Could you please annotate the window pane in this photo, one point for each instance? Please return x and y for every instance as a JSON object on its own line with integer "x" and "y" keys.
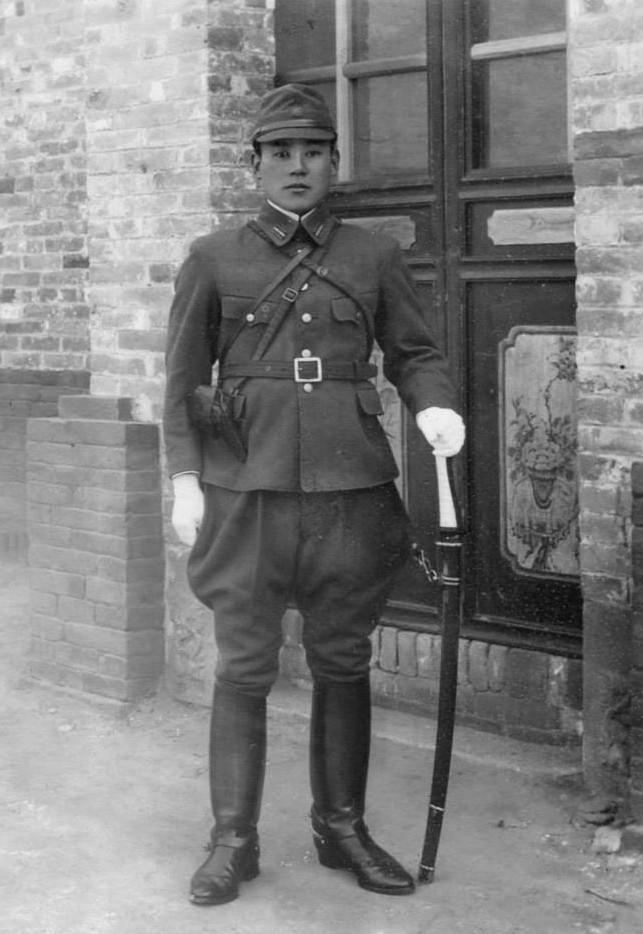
{"x": 391, "y": 125}
{"x": 510, "y": 19}
{"x": 382, "y": 29}
{"x": 305, "y": 34}
{"x": 522, "y": 115}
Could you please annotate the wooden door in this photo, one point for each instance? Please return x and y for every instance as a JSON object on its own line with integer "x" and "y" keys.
{"x": 453, "y": 132}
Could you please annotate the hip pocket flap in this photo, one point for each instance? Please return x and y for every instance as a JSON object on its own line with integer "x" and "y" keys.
{"x": 369, "y": 401}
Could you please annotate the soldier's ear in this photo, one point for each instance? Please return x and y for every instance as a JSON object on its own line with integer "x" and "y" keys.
{"x": 255, "y": 162}
{"x": 334, "y": 160}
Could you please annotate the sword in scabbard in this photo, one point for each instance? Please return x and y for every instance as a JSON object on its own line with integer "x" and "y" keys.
{"x": 449, "y": 562}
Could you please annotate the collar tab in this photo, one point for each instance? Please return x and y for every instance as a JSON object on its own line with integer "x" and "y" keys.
{"x": 281, "y": 227}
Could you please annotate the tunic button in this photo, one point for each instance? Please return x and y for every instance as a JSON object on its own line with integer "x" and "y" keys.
{"x": 250, "y": 318}
{"x": 305, "y": 353}
{"x": 308, "y": 387}
{"x": 306, "y": 318}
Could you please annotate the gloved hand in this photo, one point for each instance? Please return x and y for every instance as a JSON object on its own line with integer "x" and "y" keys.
{"x": 188, "y": 508}
{"x": 443, "y": 429}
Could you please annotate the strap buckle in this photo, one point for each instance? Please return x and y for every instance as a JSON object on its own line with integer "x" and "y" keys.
{"x": 290, "y": 295}
{"x": 308, "y": 369}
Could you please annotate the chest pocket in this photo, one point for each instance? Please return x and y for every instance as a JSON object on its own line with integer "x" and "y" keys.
{"x": 235, "y": 307}
{"x": 345, "y": 310}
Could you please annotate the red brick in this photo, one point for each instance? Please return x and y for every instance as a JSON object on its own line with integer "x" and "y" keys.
{"x": 135, "y": 666}
{"x": 43, "y": 650}
{"x": 57, "y": 582}
{"x": 388, "y": 660}
{"x": 43, "y": 603}
{"x": 62, "y": 559}
{"x": 407, "y": 655}
{"x": 526, "y": 674}
{"x": 107, "y": 501}
{"x": 102, "y": 640}
{"x": 47, "y": 627}
{"x": 130, "y": 618}
{"x": 49, "y": 494}
{"x": 75, "y": 610}
{"x": 99, "y": 590}
{"x": 478, "y": 666}
{"x": 428, "y": 656}
{"x": 74, "y": 656}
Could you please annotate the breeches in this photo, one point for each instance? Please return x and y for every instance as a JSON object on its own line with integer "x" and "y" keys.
{"x": 334, "y": 555}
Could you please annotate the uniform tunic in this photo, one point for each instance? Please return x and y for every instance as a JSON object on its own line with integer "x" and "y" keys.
{"x": 312, "y": 515}
{"x": 300, "y": 436}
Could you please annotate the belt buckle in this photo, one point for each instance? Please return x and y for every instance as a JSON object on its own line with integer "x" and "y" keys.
{"x": 290, "y": 295}
{"x": 302, "y": 362}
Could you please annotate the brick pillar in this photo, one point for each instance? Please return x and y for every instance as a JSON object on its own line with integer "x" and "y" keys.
{"x": 607, "y": 133}
{"x": 96, "y": 549}
{"x": 637, "y": 627}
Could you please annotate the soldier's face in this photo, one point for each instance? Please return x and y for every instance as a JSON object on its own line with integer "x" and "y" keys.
{"x": 296, "y": 173}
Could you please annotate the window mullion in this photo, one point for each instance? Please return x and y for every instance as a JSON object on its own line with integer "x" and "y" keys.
{"x": 385, "y": 66}
{"x": 520, "y": 45}
{"x": 344, "y": 88}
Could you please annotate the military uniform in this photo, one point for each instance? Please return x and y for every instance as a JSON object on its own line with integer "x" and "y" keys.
{"x": 304, "y": 434}
{"x": 312, "y": 514}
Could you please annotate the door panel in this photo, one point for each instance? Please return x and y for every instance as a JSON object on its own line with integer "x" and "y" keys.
{"x": 524, "y": 560}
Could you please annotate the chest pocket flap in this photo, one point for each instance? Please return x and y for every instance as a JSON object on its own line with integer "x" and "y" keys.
{"x": 345, "y": 309}
{"x": 233, "y": 307}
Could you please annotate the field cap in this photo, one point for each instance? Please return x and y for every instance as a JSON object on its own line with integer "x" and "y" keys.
{"x": 294, "y": 111}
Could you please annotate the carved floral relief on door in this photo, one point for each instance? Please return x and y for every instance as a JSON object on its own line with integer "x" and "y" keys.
{"x": 538, "y": 451}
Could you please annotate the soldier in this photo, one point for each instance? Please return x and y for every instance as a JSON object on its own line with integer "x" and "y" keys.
{"x": 285, "y": 488}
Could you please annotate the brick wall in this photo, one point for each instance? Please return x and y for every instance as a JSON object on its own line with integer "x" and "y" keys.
{"x": 24, "y": 394}
{"x": 96, "y": 549}
{"x": 517, "y": 692}
{"x": 44, "y": 309}
{"x": 606, "y": 69}
{"x": 147, "y": 180}
{"x": 607, "y": 75}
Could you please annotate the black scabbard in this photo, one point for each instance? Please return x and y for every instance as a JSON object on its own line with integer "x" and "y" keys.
{"x": 449, "y": 557}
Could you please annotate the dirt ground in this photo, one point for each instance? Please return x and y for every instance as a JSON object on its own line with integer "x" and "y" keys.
{"x": 103, "y": 820}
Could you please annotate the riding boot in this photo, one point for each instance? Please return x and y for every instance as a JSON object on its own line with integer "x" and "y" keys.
{"x": 237, "y": 768}
{"x": 339, "y": 754}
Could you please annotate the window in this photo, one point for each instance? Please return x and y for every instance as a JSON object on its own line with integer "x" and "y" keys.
{"x": 369, "y": 61}
{"x": 519, "y": 80}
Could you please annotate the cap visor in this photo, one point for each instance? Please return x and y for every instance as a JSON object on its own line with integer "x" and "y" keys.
{"x": 294, "y": 132}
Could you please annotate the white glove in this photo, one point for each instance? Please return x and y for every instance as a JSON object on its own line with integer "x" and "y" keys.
{"x": 188, "y": 508}
{"x": 443, "y": 429}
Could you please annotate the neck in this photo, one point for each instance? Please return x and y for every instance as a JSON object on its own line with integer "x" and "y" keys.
{"x": 291, "y": 214}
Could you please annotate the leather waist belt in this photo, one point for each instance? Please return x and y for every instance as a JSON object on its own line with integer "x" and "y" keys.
{"x": 301, "y": 370}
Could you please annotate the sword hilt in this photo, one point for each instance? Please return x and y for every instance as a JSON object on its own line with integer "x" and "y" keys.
{"x": 446, "y": 496}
